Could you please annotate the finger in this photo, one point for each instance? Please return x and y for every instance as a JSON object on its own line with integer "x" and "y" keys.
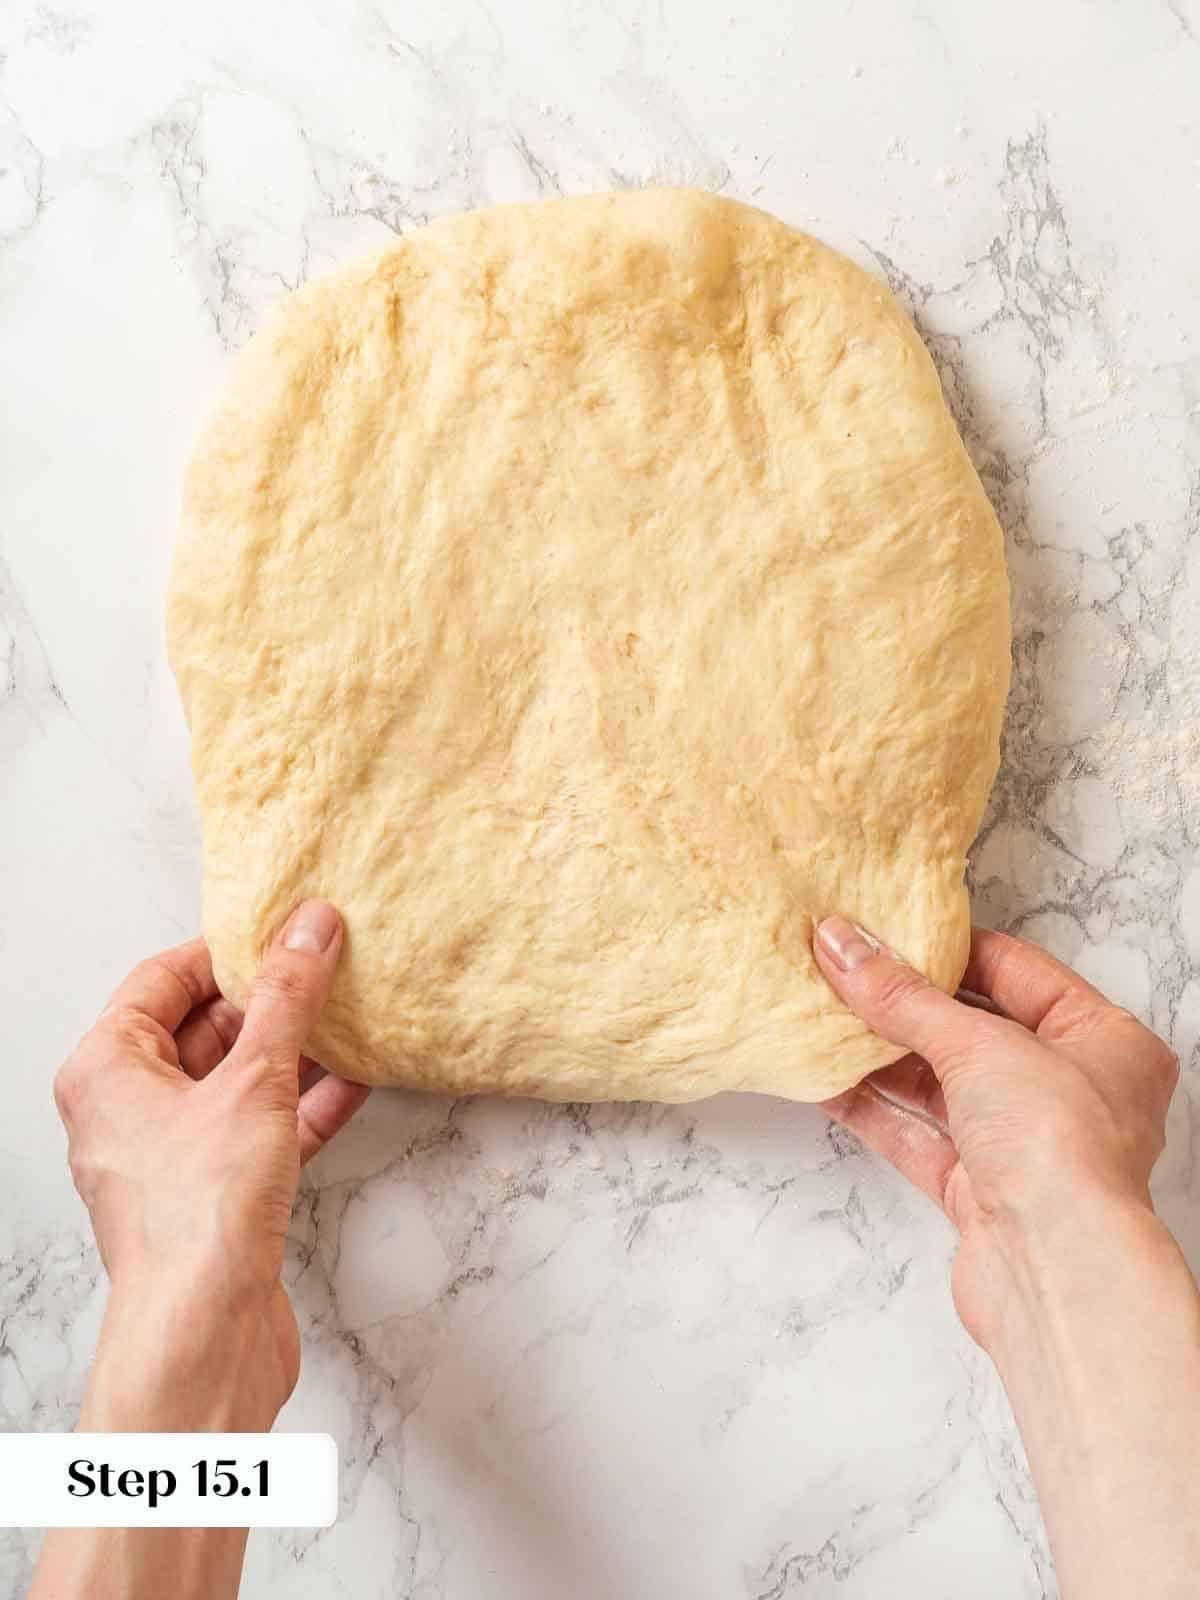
{"x": 1029, "y": 985}
{"x": 291, "y": 987}
{"x": 877, "y": 1111}
{"x": 325, "y": 1109}
{"x": 207, "y": 1036}
{"x": 912, "y": 1085}
{"x": 166, "y": 987}
{"x": 891, "y": 998}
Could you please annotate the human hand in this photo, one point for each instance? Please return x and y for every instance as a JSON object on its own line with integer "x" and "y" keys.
{"x": 1027, "y": 1127}
{"x": 187, "y": 1131}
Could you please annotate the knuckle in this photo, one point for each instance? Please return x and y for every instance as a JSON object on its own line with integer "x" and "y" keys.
{"x": 279, "y": 981}
{"x": 188, "y": 980}
{"x": 1168, "y": 1066}
{"x": 1156, "y": 1061}
{"x": 68, "y": 1089}
{"x": 897, "y": 987}
{"x": 159, "y": 968}
{"x": 130, "y": 1026}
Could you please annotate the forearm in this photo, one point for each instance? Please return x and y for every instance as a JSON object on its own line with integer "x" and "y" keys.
{"x": 1098, "y": 1346}
{"x": 159, "y": 1368}
{"x": 140, "y": 1564}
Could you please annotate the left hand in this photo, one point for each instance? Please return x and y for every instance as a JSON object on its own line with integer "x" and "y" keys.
{"x": 187, "y": 1131}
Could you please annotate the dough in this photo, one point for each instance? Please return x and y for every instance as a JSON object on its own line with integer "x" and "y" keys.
{"x": 585, "y": 596}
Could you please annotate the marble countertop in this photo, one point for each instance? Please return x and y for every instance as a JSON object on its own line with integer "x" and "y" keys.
{"x": 694, "y": 1353}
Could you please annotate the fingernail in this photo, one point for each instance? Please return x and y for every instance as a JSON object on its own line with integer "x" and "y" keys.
{"x": 311, "y": 927}
{"x": 845, "y": 943}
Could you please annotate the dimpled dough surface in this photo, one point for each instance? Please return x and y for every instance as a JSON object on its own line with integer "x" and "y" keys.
{"x": 585, "y": 596}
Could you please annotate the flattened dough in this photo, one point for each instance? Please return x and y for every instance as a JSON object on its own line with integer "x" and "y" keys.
{"x": 585, "y": 596}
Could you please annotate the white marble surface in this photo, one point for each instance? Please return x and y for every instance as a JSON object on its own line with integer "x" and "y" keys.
{"x": 693, "y": 1353}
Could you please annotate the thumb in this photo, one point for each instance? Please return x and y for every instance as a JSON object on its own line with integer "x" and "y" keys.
{"x": 894, "y": 1001}
{"x": 290, "y": 988}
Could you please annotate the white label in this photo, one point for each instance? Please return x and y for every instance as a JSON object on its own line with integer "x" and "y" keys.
{"x": 168, "y": 1480}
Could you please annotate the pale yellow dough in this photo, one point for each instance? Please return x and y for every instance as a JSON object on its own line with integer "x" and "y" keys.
{"x": 585, "y": 596}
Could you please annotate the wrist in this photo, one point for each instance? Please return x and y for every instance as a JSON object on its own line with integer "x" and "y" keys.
{"x": 1097, "y": 1343}
{"x": 176, "y": 1360}
{"x": 1053, "y": 1277}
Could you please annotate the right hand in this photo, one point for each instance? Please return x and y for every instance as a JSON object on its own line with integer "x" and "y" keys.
{"x": 1024, "y": 1127}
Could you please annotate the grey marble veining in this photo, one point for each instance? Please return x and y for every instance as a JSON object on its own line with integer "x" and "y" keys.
{"x": 613, "y": 1351}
